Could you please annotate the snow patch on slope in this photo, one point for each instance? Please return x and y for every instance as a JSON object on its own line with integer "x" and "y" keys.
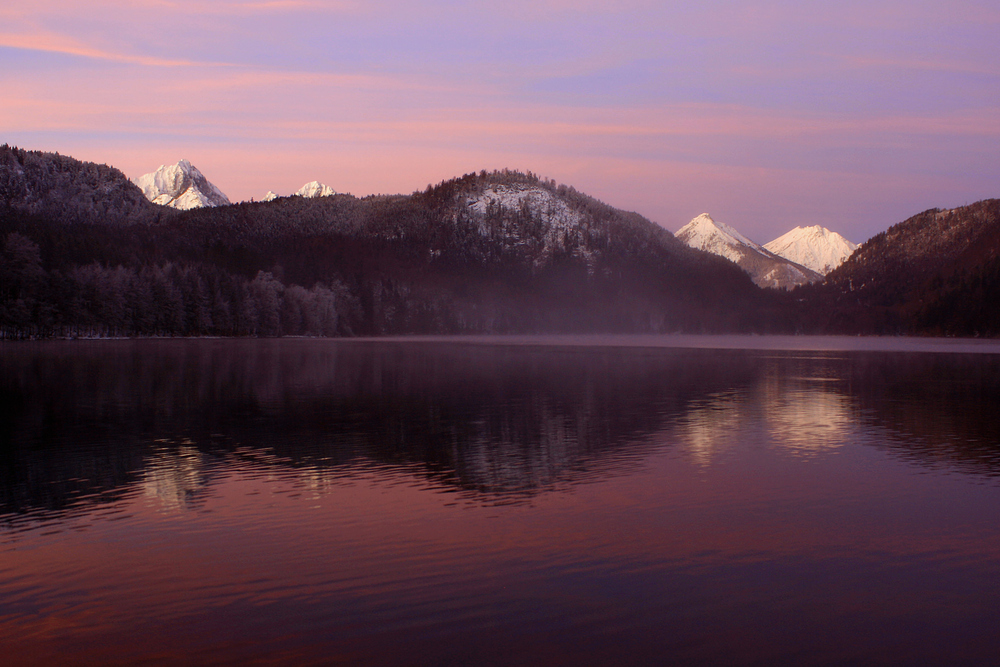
{"x": 180, "y": 186}
{"x": 814, "y": 247}
{"x": 563, "y": 227}
{"x": 537, "y": 200}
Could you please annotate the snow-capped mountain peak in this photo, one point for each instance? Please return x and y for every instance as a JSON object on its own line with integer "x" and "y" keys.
{"x": 180, "y": 186}
{"x": 315, "y": 189}
{"x": 718, "y": 238}
{"x": 270, "y": 196}
{"x": 765, "y": 267}
{"x": 814, "y": 247}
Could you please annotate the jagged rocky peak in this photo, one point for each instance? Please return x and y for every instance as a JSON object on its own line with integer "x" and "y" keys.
{"x": 315, "y": 189}
{"x": 814, "y": 247}
{"x": 765, "y": 267}
{"x": 180, "y": 186}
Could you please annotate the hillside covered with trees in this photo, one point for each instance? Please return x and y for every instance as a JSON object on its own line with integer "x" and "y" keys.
{"x": 937, "y": 273}
{"x": 84, "y": 254}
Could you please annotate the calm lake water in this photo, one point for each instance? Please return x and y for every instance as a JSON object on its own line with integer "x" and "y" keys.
{"x": 500, "y": 501}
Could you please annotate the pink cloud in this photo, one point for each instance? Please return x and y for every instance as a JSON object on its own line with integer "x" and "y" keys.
{"x": 54, "y": 43}
{"x": 182, "y": 7}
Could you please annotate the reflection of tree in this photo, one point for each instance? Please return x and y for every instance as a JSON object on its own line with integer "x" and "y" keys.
{"x": 80, "y": 421}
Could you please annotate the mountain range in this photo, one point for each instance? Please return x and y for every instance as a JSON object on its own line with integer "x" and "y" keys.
{"x": 86, "y": 253}
{"x": 310, "y": 190}
{"x": 183, "y": 186}
{"x": 801, "y": 256}
{"x": 765, "y": 267}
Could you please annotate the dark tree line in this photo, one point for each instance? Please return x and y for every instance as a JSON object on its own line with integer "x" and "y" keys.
{"x": 154, "y": 300}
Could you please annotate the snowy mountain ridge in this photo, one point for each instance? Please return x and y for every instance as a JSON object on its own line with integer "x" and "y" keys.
{"x": 180, "y": 186}
{"x": 315, "y": 189}
{"x": 310, "y": 190}
{"x": 814, "y": 247}
{"x": 765, "y": 267}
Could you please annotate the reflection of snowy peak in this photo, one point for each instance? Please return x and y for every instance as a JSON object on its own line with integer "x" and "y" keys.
{"x": 766, "y": 268}
{"x": 180, "y": 186}
{"x": 315, "y": 189}
{"x": 814, "y": 247}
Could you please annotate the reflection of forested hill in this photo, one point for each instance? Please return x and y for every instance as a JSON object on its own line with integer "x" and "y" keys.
{"x": 495, "y": 420}
{"x": 83, "y": 421}
{"x": 940, "y": 409}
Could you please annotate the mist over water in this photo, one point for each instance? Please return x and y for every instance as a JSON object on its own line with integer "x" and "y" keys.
{"x": 507, "y": 501}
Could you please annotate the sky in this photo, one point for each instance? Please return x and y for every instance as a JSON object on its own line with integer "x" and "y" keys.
{"x": 766, "y": 115}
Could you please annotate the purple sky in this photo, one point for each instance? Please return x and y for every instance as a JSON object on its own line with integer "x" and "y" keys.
{"x": 767, "y": 115}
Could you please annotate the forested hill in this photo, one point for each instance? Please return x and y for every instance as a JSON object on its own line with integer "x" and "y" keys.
{"x": 937, "y": 273}
{"x": 85, "y": 254}
{"x": 56, "y": 187}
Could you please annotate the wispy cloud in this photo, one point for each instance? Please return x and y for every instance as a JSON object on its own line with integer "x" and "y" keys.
{"x": 55, "y": 43}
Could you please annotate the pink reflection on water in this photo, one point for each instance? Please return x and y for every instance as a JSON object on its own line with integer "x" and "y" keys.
{"x": 372, "y": 562}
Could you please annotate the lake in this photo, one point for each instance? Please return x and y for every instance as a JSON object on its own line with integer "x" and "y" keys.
{"x": 500, "y": 501}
